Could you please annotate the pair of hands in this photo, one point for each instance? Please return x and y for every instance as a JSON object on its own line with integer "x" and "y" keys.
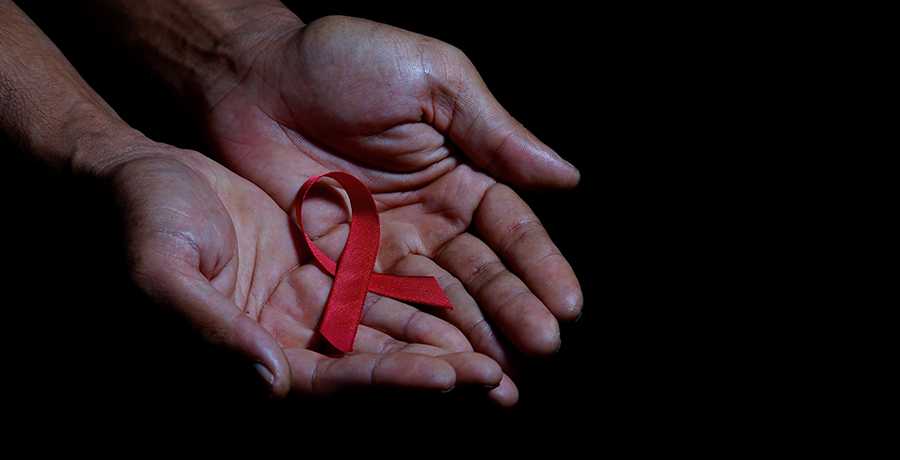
{"x": 411, "y": 118}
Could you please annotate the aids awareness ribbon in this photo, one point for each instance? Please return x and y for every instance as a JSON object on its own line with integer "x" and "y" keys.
{"x": 353, "y": 275}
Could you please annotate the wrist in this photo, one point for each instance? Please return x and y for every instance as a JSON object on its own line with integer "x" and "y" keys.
{"x": 201, "y": 48}
{"x": 99, "y": 144}
{"x": 46, "y": 108}
{"x": 55, "y": 119}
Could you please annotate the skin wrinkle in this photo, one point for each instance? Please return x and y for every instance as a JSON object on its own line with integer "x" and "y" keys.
{"x": 146, "y": 272}
{"x": 369, "y": 173}
{"x": 509, "y": 300}
{"x": 440, "y": 250}
{"x": 225, "y": 43}
{"x": 539, "y": 260}
{"x": 443, "y": 84}
{"x": 486, "y": 331}
{"x": 488, "y": 271}
{"x": 313, "y": 377}
{"x": 370, "y": 372}
{"x": 295, "y": 142}
{"x": 108, "y": 165}
{"x": 391, "y": 345}
{"x": 392, "y": 251}
{"x": 500, "y": 276}
{"x": 238, "y": 161}
{"x": 275, "y": 289}
{"x": 413, "y": 321}
{"x": 369, "y": 305}
{"x": 453, "y": 213}
{"x": 517, "y": 232}
{"x": 254, "y": 280}
{"x": 508, "y": 138}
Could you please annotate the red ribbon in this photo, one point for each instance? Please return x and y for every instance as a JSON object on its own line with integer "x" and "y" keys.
{"x": 353, "y": 275}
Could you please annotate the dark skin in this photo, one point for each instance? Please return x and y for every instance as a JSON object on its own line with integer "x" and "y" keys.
{"x": 282, "y": 101}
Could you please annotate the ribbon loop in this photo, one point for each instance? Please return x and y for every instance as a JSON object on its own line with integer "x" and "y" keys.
{"x": 353, "y": 275}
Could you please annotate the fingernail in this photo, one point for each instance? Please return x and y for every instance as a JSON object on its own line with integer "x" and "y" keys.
{"x": 557, "y": 348}
{"x": 579, "y": 317}
{"x": 491, "y": 387}
{"x": 448, "y": 390}
{"x": 265, "y": 374}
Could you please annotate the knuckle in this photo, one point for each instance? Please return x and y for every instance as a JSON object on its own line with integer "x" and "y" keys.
{"x": 518, "y": 231}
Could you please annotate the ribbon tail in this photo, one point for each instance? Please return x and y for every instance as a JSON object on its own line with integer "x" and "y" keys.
{"x": 416, "y": 289}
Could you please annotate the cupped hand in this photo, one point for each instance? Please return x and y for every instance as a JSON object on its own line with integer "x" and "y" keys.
{"x": 412, "y": 119}
{"x": 220, "y": 251}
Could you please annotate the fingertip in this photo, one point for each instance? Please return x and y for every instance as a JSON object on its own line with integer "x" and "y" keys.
{"x": 549, "y": 172}
{"x": 530, "y": 326}
{"x": 533, "y": 166}
{"x": 574, "y": 177}
{"x": 530, "y": 165}
{"x": 543, "y": 341}
{"x": 555, "y": 284}
{"x": 474, "y": 368}
{"x": 275, "y": 387}
{"x": 571, "y": 307}
{"x": 505, "y": 395}
{"x": 280, "y": 384}
{"x": 269, "y": 360}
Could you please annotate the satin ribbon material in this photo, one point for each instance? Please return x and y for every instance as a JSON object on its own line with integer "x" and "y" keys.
{"x": 353, "y": 275}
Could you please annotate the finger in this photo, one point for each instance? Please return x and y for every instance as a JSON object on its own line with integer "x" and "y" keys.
{"x": 505, "y": 394}
{"x": 474, "y": 369}
{"x": 509, "y": 226}
{"x": 470, "y": 368}
{"x": 475, "y": 121}
{"x": 409, "y": 324}
{"x": 318, "y": 374}
{"x": 221, "y": 323}
{"x": 521, "y": 317}
{"x": 466, "y": 316}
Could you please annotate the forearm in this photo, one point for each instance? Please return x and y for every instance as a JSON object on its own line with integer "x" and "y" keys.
{"x": 45, "y": 106}
{"x": 199, "y": 47}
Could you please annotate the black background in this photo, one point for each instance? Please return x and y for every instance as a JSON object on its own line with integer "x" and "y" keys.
{"x": 87, "y": 353}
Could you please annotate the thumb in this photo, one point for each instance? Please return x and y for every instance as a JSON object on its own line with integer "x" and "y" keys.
{"x": 220, "y": 322}
{"x": 492, "y": 138}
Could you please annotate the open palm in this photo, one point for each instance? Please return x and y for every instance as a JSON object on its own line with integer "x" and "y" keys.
{"x": 410, "y": 117}
{"x": 217, "y": 249}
